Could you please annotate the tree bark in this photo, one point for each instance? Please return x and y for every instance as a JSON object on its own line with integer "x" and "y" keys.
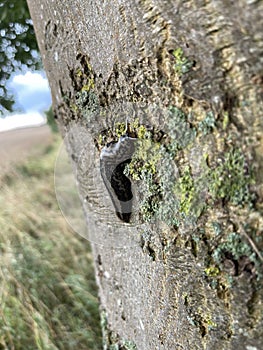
{"x": 186, "y": 271}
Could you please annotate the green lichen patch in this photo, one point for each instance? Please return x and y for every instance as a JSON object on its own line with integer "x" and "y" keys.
{"x": 181, "y": 133}
{"x": 233, "y": 246}
{"x": 87, "y": 105}
{"x": 216, "y": 228}
{"x": 231, "y": 179}
{"x": 169, "y": 208}
{"x": 207, "y": 124}
{"x": 234, "y": 249}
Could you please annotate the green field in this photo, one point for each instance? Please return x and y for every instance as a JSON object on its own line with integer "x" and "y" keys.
{"x": 48, "y": 293}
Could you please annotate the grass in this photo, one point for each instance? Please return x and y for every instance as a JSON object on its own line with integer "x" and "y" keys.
{"x": 48, "y": 293}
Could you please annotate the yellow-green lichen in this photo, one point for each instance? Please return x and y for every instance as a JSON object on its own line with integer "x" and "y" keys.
{"x": 141, "y": 132}
{"x": 225, "y": 121}
{"x": 89, "y": 86}
{"x": 212, "y": 271}
{"x": 209, "y": 323}
{"x": 145, "y": 159}
{"x": 73, "y": 107}
{"x": 100, "y": 140}
{"x": 120, "y": 129}
{"x": 182, "y": 63}
{"x": 186, "y": 190}
{"x": 79, "y": 72}
{"x": 135, "y": 124}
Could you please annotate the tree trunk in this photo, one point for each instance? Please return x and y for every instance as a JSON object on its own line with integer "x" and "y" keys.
{"x": 179, "y": 265}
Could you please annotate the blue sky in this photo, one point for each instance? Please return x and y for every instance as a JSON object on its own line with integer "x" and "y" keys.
{"x": 32, "y": 96}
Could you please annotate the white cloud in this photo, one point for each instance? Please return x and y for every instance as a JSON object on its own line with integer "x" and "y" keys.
{"x": 30, "y": 80}
{"x": 31, "y": 91}
{"x": 21, "y": 120}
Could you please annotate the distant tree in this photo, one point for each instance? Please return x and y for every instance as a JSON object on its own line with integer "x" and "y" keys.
{"x": 18, "y": 46}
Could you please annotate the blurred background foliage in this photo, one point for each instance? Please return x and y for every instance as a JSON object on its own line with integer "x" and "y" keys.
{"x": 48, "y": 294}
{"x": 18, "y": 46}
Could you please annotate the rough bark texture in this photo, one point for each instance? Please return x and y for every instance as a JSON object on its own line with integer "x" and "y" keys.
{"x": 191, "y": 278}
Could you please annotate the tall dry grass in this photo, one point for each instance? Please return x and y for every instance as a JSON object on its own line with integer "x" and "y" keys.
{"x": 48, "y": 295}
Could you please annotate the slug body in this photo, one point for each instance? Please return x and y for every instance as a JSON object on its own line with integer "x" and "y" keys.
{"x": 113, "y": 159}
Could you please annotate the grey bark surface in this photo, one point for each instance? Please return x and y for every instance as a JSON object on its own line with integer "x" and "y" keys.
{"x": 158, "y": 287}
